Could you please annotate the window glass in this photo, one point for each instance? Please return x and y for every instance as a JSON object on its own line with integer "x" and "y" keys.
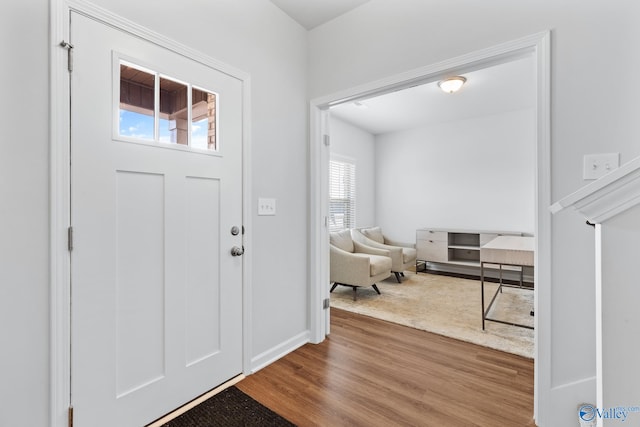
{"x": 342, "y": 195}
{"x": 136, "y": 113}
{"x": 203, "y": 127}
{"x": 173, "y": 117}
{"x": 158, "y": 108}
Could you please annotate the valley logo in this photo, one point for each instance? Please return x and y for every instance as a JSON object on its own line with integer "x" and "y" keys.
{"x": 589, "y": 413}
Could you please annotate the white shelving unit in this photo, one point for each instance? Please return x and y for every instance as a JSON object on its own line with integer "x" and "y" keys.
{"x": 453, "y": 247}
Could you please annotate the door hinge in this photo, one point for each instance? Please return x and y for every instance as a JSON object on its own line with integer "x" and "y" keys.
{"x": 70, "y": 238}
{"x": 70, "y": 416}
{"x": 69, "y": 48}
{"x": 326, "y": 303}
{"x": 326, "y": 140}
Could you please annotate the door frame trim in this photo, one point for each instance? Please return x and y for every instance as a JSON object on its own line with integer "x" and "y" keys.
{"x": 538, "y": 45}
{"x": 60, "y": 181}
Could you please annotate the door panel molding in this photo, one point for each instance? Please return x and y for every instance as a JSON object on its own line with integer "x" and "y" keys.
{"x": 60, "y": 179}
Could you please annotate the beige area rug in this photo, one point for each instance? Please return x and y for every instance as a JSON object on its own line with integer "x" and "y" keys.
{"x": 447, "y": 306}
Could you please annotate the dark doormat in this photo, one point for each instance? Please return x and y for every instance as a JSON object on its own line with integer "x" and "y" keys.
{"x": 229, "y": 408}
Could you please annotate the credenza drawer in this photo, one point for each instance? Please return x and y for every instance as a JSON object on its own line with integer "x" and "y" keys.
{"x": 425, "y": 234}
{"x": 432, "y": 250}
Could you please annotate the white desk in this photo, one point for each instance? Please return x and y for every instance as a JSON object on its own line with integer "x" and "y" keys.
{"x": 517, "y": 251}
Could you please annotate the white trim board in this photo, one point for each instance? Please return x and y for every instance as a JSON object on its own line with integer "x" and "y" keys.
{"x": 59, "y": 122}
{"x": 537, "y": 45}
{"x": 607, "y": 196}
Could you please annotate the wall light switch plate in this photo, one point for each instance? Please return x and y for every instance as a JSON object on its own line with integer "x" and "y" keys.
{"x": 596, "y": 165}
{"x": 266, "y": 206}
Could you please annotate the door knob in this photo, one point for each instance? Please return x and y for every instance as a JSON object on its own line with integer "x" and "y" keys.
{"x": 236, "y": 251}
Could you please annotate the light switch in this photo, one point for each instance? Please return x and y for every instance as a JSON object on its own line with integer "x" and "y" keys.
{"x": 266, "y": 206}
{"x": 596, "y": 165}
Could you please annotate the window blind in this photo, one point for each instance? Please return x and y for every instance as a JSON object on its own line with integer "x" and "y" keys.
{"x": 342, "y": 195}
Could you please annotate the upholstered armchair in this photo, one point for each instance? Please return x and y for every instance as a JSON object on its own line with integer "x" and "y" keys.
{"x": 403, "y": 255}
{"x": 354, "y": 264}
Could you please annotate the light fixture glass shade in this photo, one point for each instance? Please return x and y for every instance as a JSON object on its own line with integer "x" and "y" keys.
{"x": 452, "y": 84}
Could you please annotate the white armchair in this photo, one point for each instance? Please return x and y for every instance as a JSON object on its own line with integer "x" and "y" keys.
{"x": 354, "y": 264}
{"x": 403, "y": 255}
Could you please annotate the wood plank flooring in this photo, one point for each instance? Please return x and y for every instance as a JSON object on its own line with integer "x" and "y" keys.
{"x": 369, "y": 372}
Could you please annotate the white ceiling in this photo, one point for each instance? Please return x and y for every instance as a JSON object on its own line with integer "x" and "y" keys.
{"x": 497, "y": 89}
{"x": 493, "y": 90}
{"x": 311, "y": 13}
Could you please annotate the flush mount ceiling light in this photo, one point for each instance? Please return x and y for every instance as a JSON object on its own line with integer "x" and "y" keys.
{"x": 452, "y": 84}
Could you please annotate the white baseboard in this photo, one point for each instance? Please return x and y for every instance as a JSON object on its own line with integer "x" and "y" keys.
{"x": 267, "y": 357}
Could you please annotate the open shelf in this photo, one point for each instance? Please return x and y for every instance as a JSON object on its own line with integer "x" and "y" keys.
{"x": 465, "y": 263}
{"x": 464, "y": 239}
{"x": 459, "y": 248}
{"x": 465, "y": 247}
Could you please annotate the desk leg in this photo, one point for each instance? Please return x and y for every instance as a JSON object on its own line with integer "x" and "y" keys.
{"x": 521, "y": 276}
{"x": 482, "y": 290}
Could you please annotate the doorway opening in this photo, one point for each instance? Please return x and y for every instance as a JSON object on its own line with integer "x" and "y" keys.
{"x": 535, "y": 46}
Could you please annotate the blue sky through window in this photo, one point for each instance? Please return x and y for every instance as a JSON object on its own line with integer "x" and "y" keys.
{"x": 136, "y": 125}
{"x": 199, "y": 134}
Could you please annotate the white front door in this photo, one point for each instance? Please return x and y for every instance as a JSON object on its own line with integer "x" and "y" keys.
{"x": 156, "y": 294}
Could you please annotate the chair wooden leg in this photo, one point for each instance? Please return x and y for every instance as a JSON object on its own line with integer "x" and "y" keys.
{"x": 397, "y": 276}
{"x": 333, "y": 287}
{"x": 376, "y": 288}
{"x": 402, "y": 273}
{"x": 355, "y": 289}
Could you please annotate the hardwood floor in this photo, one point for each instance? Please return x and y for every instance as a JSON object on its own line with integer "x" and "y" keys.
{"x": 369, "y": 372}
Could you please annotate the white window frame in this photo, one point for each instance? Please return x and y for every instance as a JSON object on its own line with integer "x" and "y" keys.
{"x": 118, "y": 59}
{"x": 347, "y": 189}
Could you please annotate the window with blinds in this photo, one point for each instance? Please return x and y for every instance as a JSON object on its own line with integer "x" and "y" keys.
{"x": 342, "y": 195}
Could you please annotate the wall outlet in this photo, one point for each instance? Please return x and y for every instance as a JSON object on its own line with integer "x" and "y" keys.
{"x": 596, "y": 165}
{"x": 266, "y": 206}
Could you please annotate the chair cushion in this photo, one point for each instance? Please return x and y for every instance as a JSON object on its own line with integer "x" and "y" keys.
{"x": 409, "y": 255}
{"x": 378, "y": 264}
{"x": 342, "y": 240}
{"x": 374, "y": 233}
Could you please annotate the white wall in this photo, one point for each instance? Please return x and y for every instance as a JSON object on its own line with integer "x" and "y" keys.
{"x": 252, "y": 35}
{"x": 475, "y": 174}
{"x": 591, "y": 39}
{"x": 352, "y": 142}
{"x": 24, "y": 216}
{"x": 620, "y": 296}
